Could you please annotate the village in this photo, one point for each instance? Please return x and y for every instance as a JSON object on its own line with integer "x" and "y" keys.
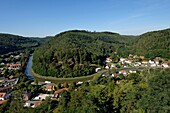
{"x": 132, "y": 63}
{"x": 10, "y": 66}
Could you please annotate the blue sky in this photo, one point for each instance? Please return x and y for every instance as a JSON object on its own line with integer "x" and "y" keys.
{"x": 49, "y": 17}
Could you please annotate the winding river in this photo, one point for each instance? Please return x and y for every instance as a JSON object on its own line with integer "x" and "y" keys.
{"x": 28, "y": 69}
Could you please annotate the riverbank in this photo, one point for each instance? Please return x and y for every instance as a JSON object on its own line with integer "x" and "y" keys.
{"x": 63, "y": 80}
{"x": 32, "y": 75}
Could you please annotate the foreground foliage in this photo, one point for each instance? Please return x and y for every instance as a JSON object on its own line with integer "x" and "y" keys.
{"x": 141, "y": 93}
{"x": 144, "y": 92}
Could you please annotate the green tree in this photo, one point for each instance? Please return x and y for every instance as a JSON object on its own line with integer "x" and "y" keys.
{"x": 156, "y": 97}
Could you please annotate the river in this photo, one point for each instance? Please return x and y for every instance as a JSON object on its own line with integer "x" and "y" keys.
{"x": 30, "y": 76}
{"x": 28, "y": 69}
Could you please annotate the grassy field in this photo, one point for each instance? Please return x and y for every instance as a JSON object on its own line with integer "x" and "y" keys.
{"x": 62, "y": 80}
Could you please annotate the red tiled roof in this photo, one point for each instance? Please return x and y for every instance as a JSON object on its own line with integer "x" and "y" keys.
{"x": 60, "y": 90}
{"x": 11, "y": 77}
{"x": 3, "y": 101}
{"x": 144, "y": 61}
{"x": 122, "y": 71}
{"x": 49, "y": 87}
{"x": 37, "y": 103}
{"x": 12, "y": 65}
{"x": 7, "y": 87}
{"x": 142, "y": 57}
{"x": 2, "y": 95}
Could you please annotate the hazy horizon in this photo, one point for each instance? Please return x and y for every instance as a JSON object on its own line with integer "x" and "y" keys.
{"x": 79, "y": 29}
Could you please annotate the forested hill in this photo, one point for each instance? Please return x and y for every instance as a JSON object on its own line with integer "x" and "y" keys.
{"x": 42, "y": 40}
{"x": 71, "y": 53}
{"x": 12, "y": 43}
{"x": 151, "y": 44}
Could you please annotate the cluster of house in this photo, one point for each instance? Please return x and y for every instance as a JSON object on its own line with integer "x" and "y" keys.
{"x": 14, "y": 66}
{"x": 6, "y": 85}
{"x": 131, "y": 62}
{"x": 125, "y": 72}
{"x": 38, "y": 99}
{"x": 11, "y": 66}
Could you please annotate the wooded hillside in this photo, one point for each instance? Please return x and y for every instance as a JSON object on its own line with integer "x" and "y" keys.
{"x": 151, "y": 44}
{"x": 13, "y": 43}
{"x": 70, "y": 54}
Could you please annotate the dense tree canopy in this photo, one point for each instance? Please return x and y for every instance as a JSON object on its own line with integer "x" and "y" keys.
{"x": 141, "y": 93}
{"x": 153, "y": 44}
{"x": 71, "y": 53}
{"x": 156, "y": 97}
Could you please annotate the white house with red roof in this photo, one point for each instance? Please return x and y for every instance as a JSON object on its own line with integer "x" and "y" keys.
{"x": 165, "y": 65}
{"x": 124, "y": 72}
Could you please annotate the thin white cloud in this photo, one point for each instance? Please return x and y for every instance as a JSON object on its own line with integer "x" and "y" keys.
{"x": 125, "y": 19}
